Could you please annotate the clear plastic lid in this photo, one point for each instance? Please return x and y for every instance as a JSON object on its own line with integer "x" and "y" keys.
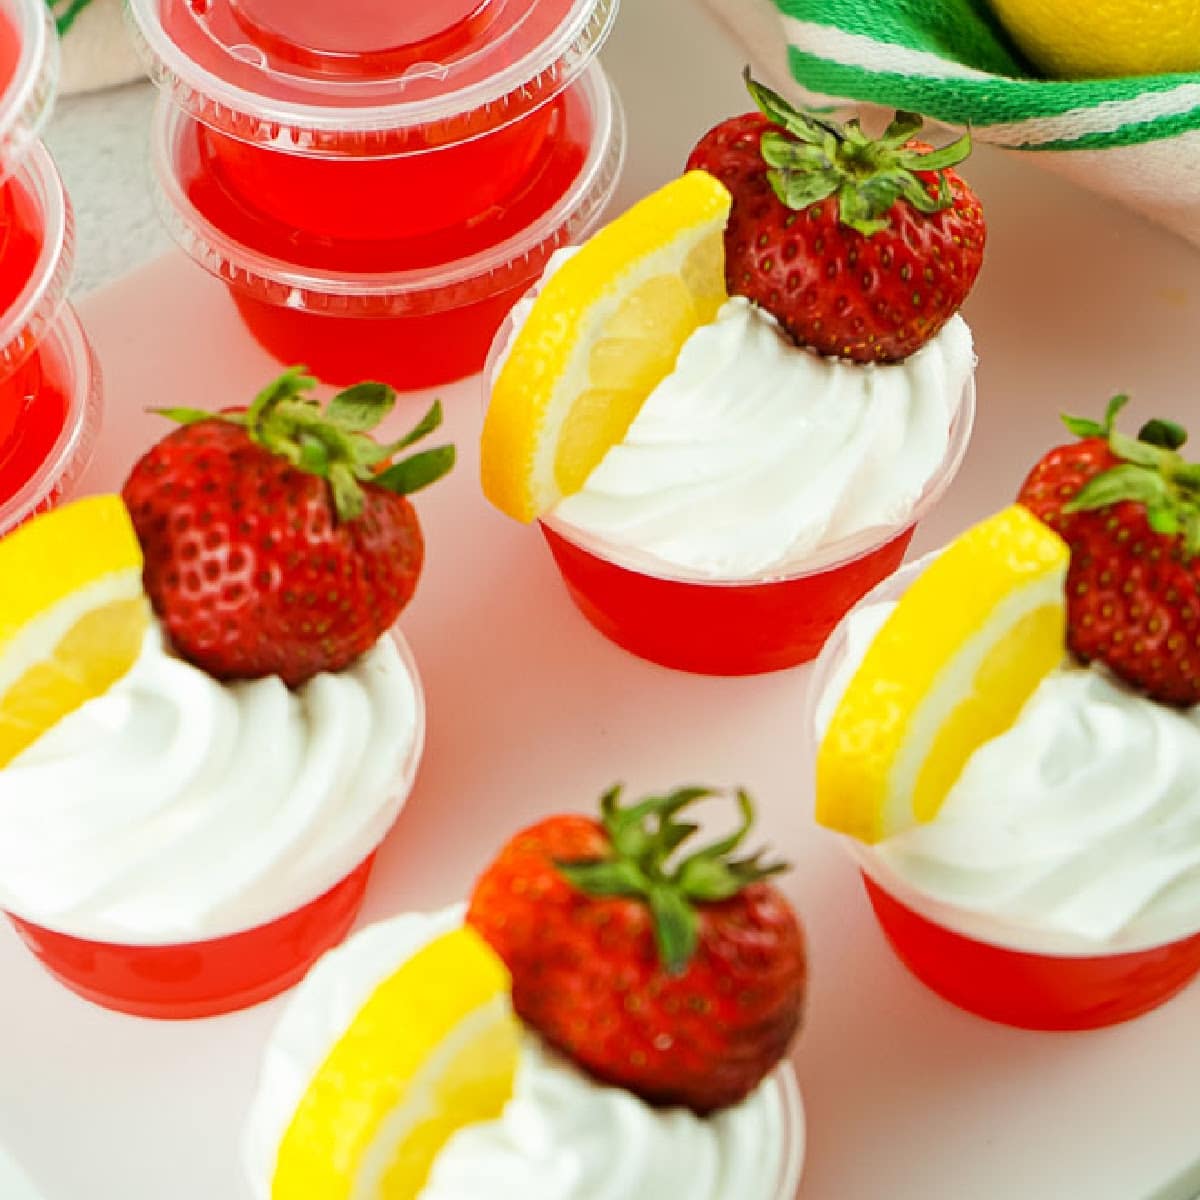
{"x": 29, "y": 66}
{"x": 60, "y": 473}
{"x": 39, "y": 300}
{"x": 513, "y": 262}
{"x": 366, "y": 77}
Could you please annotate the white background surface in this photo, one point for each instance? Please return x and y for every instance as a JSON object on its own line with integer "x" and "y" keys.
{"x": 908, "y": 1099}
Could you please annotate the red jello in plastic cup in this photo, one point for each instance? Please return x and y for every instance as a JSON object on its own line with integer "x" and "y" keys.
{"x": 414, "y": 311}
{"x": 50, "y": 393}
{"x": 28, "y": 76}
{"x": 1000, "y": 969}
{"x": 371, "y": 119}
{"x": 692, "y": 622}
{"x": 187, "y": 980}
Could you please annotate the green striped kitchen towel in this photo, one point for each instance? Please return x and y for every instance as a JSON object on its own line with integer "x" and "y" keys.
{"x": 1135, "y": 139}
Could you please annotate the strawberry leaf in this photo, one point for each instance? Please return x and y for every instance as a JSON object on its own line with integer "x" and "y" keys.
{"x": 676, "y": 928}
{"x": 1144, "y": 454}
{"x": 1083, "y": 427}
{"x": 1167, "y": 434}
{"x": 1126, "y": 482}
{"x": 904, "y": 126}
{"x": 417, "y": 472}
{"x": 193, "y": 416}
{"x": 360, "y": 408}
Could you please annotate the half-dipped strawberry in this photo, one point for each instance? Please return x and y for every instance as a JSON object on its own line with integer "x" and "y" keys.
{"x": 679, "y": 978}
{"x": 279, "y": 540}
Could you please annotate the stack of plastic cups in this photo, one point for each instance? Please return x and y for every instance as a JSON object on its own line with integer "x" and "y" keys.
{"x": 378, "y": 183}
{"x": 49, "y": 380}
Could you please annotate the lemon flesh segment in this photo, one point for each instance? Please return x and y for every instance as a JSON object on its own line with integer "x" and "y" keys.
{"x": 950, "y": 669}
{"x": 1104, "y": 38}
{"x": 72, "y": 615}
{"x": 604, "y": 331}
{"x": 433, "y": 1049}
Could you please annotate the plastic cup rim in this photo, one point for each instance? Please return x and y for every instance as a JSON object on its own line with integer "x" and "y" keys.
{"x": 84, "y": 398}
{"x": 995, "y": 932}
{"x": 176, "y": 72}
{"x": 834, "y": 557}
{"x": 26, "y": 103}
{"x": 795, "y": 1129}
{"x": 242, "y": 264}
{"x": 334, "y": 873}
{"x": 39, "y": 301}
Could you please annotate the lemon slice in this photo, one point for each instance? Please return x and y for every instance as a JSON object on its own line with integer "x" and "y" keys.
{"x": 432, "y": 1050}
{"x": 72, "y": 615}
{"x": 950, "y": 669}
{"x": 604, "y": 331}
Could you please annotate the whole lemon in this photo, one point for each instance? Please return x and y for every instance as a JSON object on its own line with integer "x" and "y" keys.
{"x": 1094, "y": 39}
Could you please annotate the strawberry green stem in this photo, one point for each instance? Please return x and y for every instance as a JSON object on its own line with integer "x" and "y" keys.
{"x": 812, "y": 158}
{"x": 1151, "y": 472}
{"x": 335, "y": 442}
{"x": 644, "y": 838}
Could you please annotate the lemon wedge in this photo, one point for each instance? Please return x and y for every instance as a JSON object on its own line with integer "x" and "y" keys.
{"x": 603, "y": 332}
{"x": 72, "y": 615}
{"x": 950, "y": 669}
{"x": 434, "y": 1048}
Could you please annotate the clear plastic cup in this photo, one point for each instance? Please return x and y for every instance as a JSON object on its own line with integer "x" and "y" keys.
{"x": 374, "y": 120}
{"x": 50, "y": 387}
{"x": 29, "y": 65}
{"x": 1007, "y": 972}
{"x": 413, "y": 312}
{"x": 180, "y": 981}
{"x": 794, "y": 1131}
{"x": 691, "y": 622}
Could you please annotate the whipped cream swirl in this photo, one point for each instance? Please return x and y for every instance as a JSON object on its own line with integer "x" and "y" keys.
{"x": 175, "y": 808}
{"x": 754, "y": 455}
{"x": 561, "y": 1136}
{"x": 1083, "y": 819}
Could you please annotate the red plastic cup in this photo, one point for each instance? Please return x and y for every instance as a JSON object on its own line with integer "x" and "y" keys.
{"x": 414, "y": 311}
{"x": 240, "y": 968}
{"x": 691, "y": 622}
{"x": 29, "y": 64}
{"x": 1003, "y": 970}
{"x": 377, "y": 119}
{"x": 50, "y": 388}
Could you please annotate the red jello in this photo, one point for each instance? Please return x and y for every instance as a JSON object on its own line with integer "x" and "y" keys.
{"x": 737, "y": 627}
{"x": 49, "y": 381}
{"x": 28, "y": 76}
{"x": 173, "y": 980}
{"x": 1034, "y": 991}
{"x": 412, "y": 311}
{"x": 371, "y": 120}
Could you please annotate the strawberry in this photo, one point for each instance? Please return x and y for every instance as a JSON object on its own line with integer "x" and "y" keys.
{"x": 276, "y": 540}
{"x": 1130, "y": 511}
{"x": 861, "y": 249}
{"x": 683, "y": 984}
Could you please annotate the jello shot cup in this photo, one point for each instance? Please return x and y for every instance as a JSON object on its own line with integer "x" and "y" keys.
{"x": 714, "y": 626}
{"x": 377, "y": 121}
{"x": 793, "y": 1142}
{"x": 29, "y": 65}
{"x": 414, "y": 310}
{"x": 50, "y": 388}
{"x": 241, "y": 966}
{"x": 1007, "y": 971}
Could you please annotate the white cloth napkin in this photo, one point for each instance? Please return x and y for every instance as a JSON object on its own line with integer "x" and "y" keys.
{"x": 98, "y": 53}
